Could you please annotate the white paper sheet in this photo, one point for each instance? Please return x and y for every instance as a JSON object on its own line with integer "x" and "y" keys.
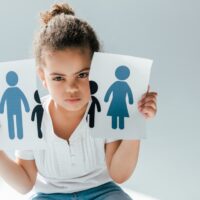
{"x": 20, "y": 111}
{"x": 121, "y": 81}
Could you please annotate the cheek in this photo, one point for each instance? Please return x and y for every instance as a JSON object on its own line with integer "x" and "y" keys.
{"x": 86, "y": 89}
{"x": 54, "y": 88}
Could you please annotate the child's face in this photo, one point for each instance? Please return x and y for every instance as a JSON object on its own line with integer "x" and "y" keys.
{"x": 65, "y": 75}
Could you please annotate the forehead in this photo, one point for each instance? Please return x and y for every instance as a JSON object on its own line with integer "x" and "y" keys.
{"x": 71, "y": 58}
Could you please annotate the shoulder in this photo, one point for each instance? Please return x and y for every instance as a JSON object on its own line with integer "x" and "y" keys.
{"x": 45, "y": 99}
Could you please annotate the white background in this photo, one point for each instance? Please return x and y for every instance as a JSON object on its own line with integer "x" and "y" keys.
{"x": 167, "y": 31}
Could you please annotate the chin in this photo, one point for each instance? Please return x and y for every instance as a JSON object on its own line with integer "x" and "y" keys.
{"x": 75, "y": 107}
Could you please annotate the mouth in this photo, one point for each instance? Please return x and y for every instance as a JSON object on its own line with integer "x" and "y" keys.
{"x": 72, "y": 100}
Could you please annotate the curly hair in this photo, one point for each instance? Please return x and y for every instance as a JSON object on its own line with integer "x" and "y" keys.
{"x": 61, "y": 29}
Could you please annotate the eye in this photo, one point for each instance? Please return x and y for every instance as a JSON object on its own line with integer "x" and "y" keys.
{"x": 83, "y": 75}
{"x": 58, "y": 78}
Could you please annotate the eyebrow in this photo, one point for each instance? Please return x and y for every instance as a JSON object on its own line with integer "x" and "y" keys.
{"x": 59, "y": 74}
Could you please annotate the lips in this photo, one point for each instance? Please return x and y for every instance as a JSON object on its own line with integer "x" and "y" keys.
{"x": 72, "y": 100}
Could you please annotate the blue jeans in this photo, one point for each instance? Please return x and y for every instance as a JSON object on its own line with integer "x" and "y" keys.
{"x": 107, "y": 191}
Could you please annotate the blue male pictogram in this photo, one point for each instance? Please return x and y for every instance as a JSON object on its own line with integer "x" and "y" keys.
{"x": 119, "y": 90}
{"x": 12, "y": 97}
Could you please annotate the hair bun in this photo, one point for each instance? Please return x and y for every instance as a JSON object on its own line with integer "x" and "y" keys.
{"x": 56, "y": 10}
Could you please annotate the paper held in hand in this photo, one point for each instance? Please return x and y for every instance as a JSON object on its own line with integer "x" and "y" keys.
{"x": 117, "y": 83}
{"x": 21, "y": 111}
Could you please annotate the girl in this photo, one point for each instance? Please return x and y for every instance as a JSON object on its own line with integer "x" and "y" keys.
{"x": 73, "y": 165}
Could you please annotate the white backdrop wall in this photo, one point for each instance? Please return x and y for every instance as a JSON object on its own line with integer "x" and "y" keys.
{"x": 166, "y": 31}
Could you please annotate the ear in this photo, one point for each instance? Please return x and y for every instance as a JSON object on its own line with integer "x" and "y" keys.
{"x": 40, "y": 72}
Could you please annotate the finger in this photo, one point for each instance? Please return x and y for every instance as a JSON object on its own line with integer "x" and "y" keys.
{"x": 149, "y": 94}
{"x": 152, "y": 93}
{"x": 149, "y": 111}
{"x": 143, "y": 101}
{"x": 148, "y": 89}
{"x": 149, "y": 104}
{"x": 146, "y": 116}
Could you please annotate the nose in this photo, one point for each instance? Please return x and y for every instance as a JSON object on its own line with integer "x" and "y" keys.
{"x": 71, "y": 85}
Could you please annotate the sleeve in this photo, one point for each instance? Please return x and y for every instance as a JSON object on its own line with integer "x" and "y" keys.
{"x": 25, "y": 154}
{"x": 109, "y": 140}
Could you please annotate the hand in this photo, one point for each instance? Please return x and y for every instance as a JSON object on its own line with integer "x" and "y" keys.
{"x": 147, "y": 106}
